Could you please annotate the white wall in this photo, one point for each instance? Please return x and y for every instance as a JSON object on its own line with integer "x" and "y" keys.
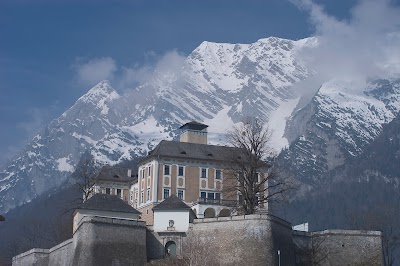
{"x": 161, "y": 220}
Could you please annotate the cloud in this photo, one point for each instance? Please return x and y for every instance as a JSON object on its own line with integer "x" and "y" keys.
{"x": 95, "y": 70}
{"x": 37, "y": 118}
{"x": 366, "y": 45}
{"x": 168, "y": 65}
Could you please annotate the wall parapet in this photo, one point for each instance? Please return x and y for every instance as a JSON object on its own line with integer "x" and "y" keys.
{"x": 347, "y": 232}
{"x": 108, "y": 220}
{"x": 61, "y": 245}
{"x": 32, "y": 251}
{"x": 269, "y": 217}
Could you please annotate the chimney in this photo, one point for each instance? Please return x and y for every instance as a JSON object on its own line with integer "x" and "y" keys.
{"x": 194, "y": 132}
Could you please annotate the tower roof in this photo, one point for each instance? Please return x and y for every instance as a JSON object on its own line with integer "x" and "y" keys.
{"x": 194, "y": 126}
{"x": 188, "y": 150}
{"x": 171, "y": 203}
{"x": 105, "y": 202}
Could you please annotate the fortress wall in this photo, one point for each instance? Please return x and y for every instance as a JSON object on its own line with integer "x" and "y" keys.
{"x": 109, "y": 241}
{"x": 338, "y": 247}
{"x": 60, "y": 255}
{"x": 34, "y": 257}
{"x": 245, "y": 240}
{"x": 350, "y": 247}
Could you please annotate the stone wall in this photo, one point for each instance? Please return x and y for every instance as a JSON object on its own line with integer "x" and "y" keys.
{"x": 61, "y": 254}
{"x": 34, "y": 257}
{"x": 339, "y": 247}
{"x": 106, "y": 241}
{"x": 244, "y": 240}
{"x": 97, "y": 241}
{"x": 156, "y": 242}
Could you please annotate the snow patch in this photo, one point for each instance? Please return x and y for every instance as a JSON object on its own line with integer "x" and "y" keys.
{"x": 277, "y": 123}
{"x": 64, "y": 166}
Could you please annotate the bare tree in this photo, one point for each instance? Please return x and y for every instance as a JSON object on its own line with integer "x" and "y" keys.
{"x": 85, "y": 174}
{"x": 312, "y": 253}
{"x": 252, "y": 174}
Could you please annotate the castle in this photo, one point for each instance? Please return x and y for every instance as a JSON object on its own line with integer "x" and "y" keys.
{"x": 176, "y": 207}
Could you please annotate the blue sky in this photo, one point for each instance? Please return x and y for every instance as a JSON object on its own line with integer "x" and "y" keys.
{"x": 44, "y": 43}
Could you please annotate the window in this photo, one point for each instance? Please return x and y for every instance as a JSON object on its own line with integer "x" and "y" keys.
{"x": 148, "y": 195}
{"x": 180, "y": 171}
{"x": 180, "y": 194}
{"x": 143, "y": 173}
{"x": 166, "y": 193}
{"x": 203, "y": 195}
{"x": 148, "y": 170}
{"x": 142, "y": 197}
{"x": 218, "y": 174}
{"x": 108, "y": 191}
{"x": 211, "y": 197}
{"x": 203, "y": 172}
{"x": 119, "y": 194}
{"x": 166, "y": 169}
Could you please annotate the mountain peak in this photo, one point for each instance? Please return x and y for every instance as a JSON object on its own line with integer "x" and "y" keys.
{"x": 101, "y": 92}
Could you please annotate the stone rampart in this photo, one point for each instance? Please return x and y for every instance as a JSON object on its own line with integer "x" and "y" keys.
{"x": 96, "y": 241}
{"x": 35, "y": 256}
{"x": 245, "y": 240}
{"x": 339, "y": 247}
{"x": 109, "y": 241}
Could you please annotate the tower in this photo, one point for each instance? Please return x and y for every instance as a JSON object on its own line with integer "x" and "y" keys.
{"x": 194, "y": 132}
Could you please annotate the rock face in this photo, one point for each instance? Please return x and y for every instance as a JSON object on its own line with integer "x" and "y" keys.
{"x": 338, "y": 123}
{"x": 218, "y": 84}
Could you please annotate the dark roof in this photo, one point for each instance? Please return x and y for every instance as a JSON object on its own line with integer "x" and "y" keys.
{"x": 105, "y": 202}
{"x": 194, "y": 125}
{"x": 189, "y": 150}
{"x": 115, "y": 174}
{"x": 172, "y": 203}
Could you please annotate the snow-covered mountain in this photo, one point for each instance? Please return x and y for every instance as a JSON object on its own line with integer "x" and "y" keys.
{"x": 340, "y": 120}
{"x": 218, "y": 84}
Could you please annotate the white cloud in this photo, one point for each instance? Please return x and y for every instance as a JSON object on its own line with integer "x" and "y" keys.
{"x": 364, "y": 46}
{"x": 95, "y": 70}
{"x": 168, "y": 65}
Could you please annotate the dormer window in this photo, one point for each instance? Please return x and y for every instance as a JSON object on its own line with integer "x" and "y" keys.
{"x": 116, "y": 176}
{"x": 210, "y": 155}
{"x": 183, "y": 152}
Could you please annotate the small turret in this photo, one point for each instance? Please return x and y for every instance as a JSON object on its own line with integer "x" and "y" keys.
{"x": 194, "y": 132}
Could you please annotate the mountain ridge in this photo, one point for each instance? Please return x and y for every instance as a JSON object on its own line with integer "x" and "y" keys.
{"x": 218, "y": 84}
